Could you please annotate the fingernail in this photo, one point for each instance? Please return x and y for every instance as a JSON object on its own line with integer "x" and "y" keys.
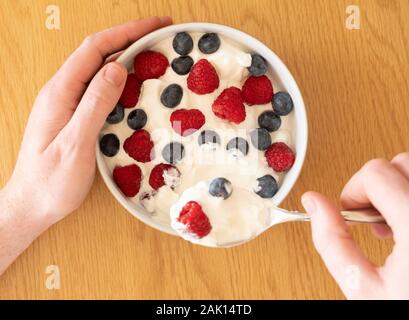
{"x": 165, "y": 20}
{"x": 309, "y": 204}
{"x": 114, "y": 74}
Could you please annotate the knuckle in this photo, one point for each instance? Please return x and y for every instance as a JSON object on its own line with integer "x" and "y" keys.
{"x": 376, "y": 166}
{"x": 46, "y": 90}
{"x": 67, "y": 145}
{"x": 319, "y": 243}
{"x": 95, "y": 104}
{"x": 93, "y": 40}
{"x": 401, "y": 158}
{"x": 89, "y": 39}
{"x": 328, "y": 242}
{"x": 321, "y": 240}
{"x": 322, "y": 245}
{"x": 96, "y": 98}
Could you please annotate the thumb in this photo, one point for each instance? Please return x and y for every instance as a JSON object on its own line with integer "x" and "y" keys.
{"x": 353, "y": 272}
{"x": 99, "y": 99}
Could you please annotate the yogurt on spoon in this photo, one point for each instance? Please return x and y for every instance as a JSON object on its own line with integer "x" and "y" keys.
{"x": 213, "y": 220}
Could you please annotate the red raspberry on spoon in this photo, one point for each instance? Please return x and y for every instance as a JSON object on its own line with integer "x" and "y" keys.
{"x": 195, "y": 220}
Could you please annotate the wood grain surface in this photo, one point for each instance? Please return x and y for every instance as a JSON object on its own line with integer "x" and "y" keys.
{"x": 356, "y": 91}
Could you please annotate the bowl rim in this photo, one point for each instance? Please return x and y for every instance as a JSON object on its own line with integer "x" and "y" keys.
{"x": 282, "y": 72}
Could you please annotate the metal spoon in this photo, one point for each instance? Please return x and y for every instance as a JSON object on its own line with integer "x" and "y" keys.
{"x": 280, "y": 215}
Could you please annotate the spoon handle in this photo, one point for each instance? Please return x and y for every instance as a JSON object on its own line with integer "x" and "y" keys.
{"x": 280, "y": 215}
{"x": 369, "y": 215}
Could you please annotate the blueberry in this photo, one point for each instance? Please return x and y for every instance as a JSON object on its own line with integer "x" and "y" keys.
{"x": 109, "y": 144}
{"x": 282, "y": 103}
{"x": 220, "y": 187}
{"x": 208, "y": 136}
{"x": 267, "y": 186}
{"x": 171, "y": 96}
{"x": 182, "y": 65}
{"x": 137, "y": 119}
{"x": 173, "y": 152}
{"x": 116, "y": 115}
{"x": 182, "y": 43}
{"x": 269, "y": 121}
{"x": 258, "y": 65}
{"x": 209, "y": 43}
{"x": 260, "y": 138}
{"x": 239, "y": 144}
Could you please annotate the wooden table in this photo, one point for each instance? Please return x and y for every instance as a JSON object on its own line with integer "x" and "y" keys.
{"x": 356, "y": 91}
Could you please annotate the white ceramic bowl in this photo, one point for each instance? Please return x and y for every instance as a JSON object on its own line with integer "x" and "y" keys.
{"x": 276, "y": 68}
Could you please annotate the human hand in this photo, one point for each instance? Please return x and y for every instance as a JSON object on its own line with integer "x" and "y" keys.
{"x": 56, "y": 164}
{"x": 385, "y": 186}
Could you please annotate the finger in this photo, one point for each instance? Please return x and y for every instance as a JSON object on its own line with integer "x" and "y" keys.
{"x": 59, "y": 98}
{"x": 381, "y": 231}
{"x": 338, "y": 250}
{"x": 401, "y": 163}
{"x": 381, "y": 185}
{"x": 98, "y": 101}
{"x": 113, "y": 57}
{"x": 81, "y": 66}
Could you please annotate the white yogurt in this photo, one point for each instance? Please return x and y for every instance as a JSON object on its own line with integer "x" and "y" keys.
{"x": 203, "y": 163}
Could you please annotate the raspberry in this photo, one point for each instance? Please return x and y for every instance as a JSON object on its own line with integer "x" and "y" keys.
{"x": 150, "y": 65}
{"x": 195, "y": 220}
{"x": 280, "y": 157}
{"x": 156, "y": 179}
{"x": 203, "y": 78}
{"x": 130, "y": 95}
{"x": 128, "y": 179}
{"x": 257, "y": 90}
{"x": 139, "y": 146}
{"x": 185, "y": 122}
{"x": 229, "y": 105}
